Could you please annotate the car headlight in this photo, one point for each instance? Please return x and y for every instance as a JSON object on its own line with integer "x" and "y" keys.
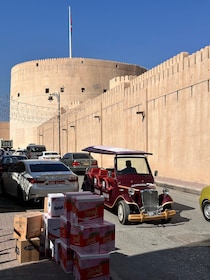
{"x": 165, "y": 191}
{"x": 131, "y": 191}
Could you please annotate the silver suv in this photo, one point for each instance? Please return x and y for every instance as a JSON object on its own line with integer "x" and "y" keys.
{"x": 33, "y": 151}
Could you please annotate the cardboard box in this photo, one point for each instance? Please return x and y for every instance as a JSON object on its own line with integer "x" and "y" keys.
{"x": 66, "y": 258}
{"x": 107, "y": 237}
{"x": 46, "y": 204}
{"x": 27, "y": 225}
{"x": 87, "y": 208}
{"x": 84, "y": 238}
{"x": 55, "y": 204}
{"x": 27, "y": 250}
{"x": 57, "y": 250}
{"x": 68, "y": 202}
{"x": 93, "y": 266}
{"x": 51, "y": 226}
{"x": 65, "y": 227}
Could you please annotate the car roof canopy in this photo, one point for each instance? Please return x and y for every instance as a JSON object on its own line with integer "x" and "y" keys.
{"x": 109, "y": 150}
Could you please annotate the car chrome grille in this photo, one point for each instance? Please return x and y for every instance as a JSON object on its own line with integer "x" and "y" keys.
{"x": 150, "y": 200}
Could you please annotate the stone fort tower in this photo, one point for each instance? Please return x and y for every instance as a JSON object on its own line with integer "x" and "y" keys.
{"x": 81, "y": 79}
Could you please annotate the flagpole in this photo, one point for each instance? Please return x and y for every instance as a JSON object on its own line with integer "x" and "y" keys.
{"x": 70, "y": 33}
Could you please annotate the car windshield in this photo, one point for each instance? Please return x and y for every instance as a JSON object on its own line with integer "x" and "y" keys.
{"x": 48, "y": 167}
{"x": 37, "y": 149}
{"x": 138, "y": 165}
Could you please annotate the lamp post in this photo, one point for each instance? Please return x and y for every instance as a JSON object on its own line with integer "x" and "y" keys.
{"x": 50, "y": 98}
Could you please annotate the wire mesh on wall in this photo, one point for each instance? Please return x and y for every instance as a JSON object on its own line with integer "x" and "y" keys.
{"x": 20, "y": 111}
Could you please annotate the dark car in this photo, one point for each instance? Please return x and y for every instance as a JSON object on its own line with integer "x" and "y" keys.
{"x": 7, "y": 161}
{"x": 79, "y": 162}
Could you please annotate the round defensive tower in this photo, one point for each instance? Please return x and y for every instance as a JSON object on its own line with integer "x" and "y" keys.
{"x": 74, "y": 79}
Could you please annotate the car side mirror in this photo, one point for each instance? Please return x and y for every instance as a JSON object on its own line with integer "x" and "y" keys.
{"x": 156, "y": 173}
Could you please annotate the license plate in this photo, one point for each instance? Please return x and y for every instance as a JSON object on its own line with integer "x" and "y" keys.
{"x": 56, "y": 182}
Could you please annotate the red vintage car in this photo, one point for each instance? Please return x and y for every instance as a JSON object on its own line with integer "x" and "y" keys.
{"x": 129, "y": 186}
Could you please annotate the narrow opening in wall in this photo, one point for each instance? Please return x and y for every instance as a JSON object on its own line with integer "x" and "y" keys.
{"x": 191, "y": 91}
{"x": 37, "y": 64}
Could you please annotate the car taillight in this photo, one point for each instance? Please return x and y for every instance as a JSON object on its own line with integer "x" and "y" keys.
{"x": 75, "y": 163}
{"x": 73, "y": 179}
{"x": 35, "y": 181}
{"x": 94, "y": 162}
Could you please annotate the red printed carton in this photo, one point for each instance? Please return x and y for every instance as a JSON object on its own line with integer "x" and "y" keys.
{"x": 66, "y": 258}
{"x": 65, "y": 227}
{"x": 87, "y": 208}
{"x": 93, "y": 266}
{"x": 68, "y": 202}
{"x": 84, "y": 238}
{"x": 107, "y": 237}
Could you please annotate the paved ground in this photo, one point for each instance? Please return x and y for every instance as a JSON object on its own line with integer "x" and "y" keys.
{"x": 46, "y": 268}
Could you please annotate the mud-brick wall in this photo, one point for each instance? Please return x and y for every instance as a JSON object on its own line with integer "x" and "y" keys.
{"x": 164, "y": 111}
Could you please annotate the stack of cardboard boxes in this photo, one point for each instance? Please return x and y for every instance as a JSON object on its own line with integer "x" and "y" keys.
{"x": 73, "y": 232}
{"x": 27, "y": 231}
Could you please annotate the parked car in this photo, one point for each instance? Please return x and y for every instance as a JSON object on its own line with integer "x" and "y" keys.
{"x": 204, "y": 201}
{"x": 79, "y": 162}
{"x": 129, "y": 186}
{"x": 7, "y": 161}
{"x": 33, "y": 151}
{"x": 50, "y": 155}
{"x": 20, "y": 152}
{"x": 35, "y": 179}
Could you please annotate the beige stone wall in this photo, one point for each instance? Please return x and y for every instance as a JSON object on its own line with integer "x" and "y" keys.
{"x": 4, "y": 131}
{"x": 176, "y": 128}
{"x": 29, "y": 105}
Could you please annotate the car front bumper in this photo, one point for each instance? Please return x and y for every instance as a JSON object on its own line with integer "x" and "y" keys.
{"x": 142, "y": 217}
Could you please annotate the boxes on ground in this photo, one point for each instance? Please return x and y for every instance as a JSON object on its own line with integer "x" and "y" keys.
{"x": 87, "y": 208}
{"x": 84, "y": 238}
{"x": 27, "y": 225}
{"x": 68, "y": 201}
{"x": 66, "y": 258}
{"x": 55, "y": 204}
{"x": 107, "y": 237}
{"x": 65, "y": 227}
{"x": 27, "y": 250}
{"x": 93, "y": 266}
{"x": 51, "y": 226}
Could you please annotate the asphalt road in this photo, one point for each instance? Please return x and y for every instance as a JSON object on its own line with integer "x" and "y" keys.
{"x": 147, "y": 251}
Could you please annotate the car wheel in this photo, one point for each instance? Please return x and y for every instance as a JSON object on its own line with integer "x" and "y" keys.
{"x": 122, "y": 212}
{"x": 3, "y": 192}
{"x": 20, "y": 197}
{"x": 206, "y": 210}
{"x": 168, "y": 207}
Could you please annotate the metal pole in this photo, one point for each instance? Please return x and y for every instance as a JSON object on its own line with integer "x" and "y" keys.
{"x": 59, "y": 123}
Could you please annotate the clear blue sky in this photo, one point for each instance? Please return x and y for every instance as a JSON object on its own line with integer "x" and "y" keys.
{"x": 142, "y": 32}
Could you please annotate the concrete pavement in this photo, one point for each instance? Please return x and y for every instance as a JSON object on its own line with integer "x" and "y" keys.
{"x": 46, "y": 268}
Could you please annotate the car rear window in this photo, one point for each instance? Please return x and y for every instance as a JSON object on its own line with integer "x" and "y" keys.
{"x": 81, "y": 156}
{"x": 48, "y": 167}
